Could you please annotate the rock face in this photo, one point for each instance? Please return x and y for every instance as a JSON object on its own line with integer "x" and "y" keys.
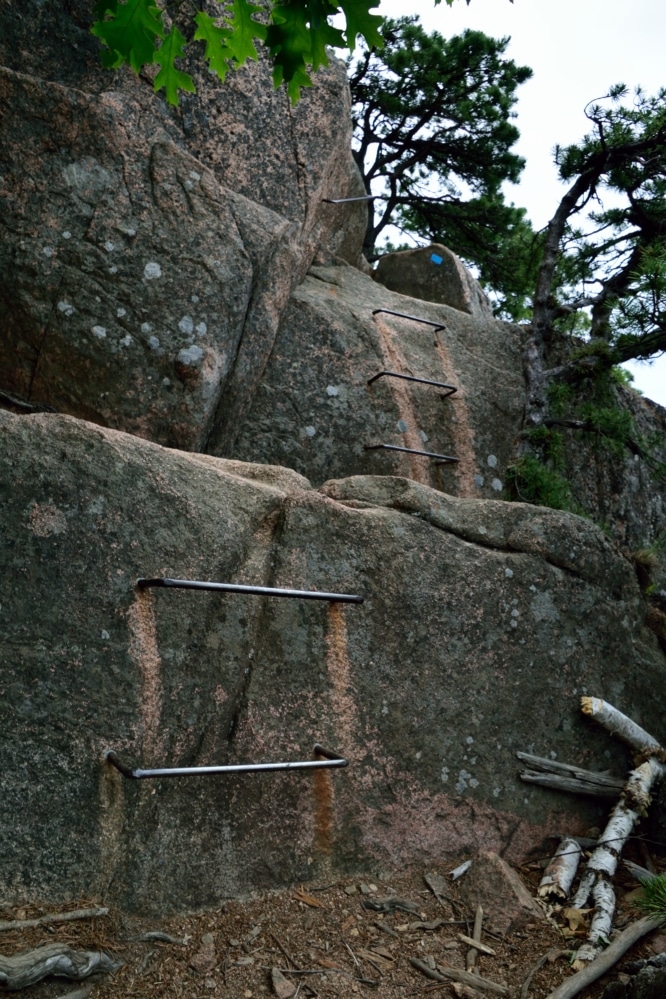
{"x": 137, "y": 289}
{"x": 435, "y": 274}
{"x": 483, "y": 622}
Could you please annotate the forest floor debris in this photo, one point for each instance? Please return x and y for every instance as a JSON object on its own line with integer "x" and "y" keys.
{"x": 323, "y": 940}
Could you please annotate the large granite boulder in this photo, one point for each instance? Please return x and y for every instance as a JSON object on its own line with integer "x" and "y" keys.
{"x": 434, "y": 274}
{"x": 148, "y": 253}
{"x": 482, "y": 625}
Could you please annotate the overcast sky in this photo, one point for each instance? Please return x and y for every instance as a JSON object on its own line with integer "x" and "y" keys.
{"x": 577, "y": 49}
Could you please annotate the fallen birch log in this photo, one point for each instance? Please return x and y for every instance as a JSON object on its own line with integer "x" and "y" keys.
{"x": 561, "y": 871}
{"x": 31, "y": 966}
{"x": 53, "y": 917}
{"x": 457, "y": 975}
{"x": 565, "y": 777}
{"x": 633, "y": 804}
{"x": 619, "y": 947}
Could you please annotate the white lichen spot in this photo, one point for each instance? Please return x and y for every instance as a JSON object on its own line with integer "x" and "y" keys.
{"x": 461, "y": 783}
{"x": 109, "y": 246}
{"x": 201, "y": 329}
{"x": 508, "y": 573}
{"x": 113, "y": 270}
{"x": 194, "y": 175}
{"x": 482, "y": 530}
{"x": 496, "y": 484}
{"x": 515, "y": 612}
{"x": 418, "y": 755}
{"x": 121, "y": 312}
{"x": 48, "y": 251}
{"x": 310, "y": 431}
{"x": 514, "y": 623}
{"x": 99, "y": 332}
{"x": 152, "y": 270}
{"x": 105, "y": 635}
{"x": 146, "y": 328}
{"x": 402, "y": 426}
{"x": 153, "y": 343}
{"x": 186, "y": 325}
{"x": 66, "y": 308}
{"x": 469, "y": 740}
{"x": 66, "y": 234}
{"x": 423, "y": 435}
{"x": 492, "y": 461}
{"x": 496, "y": 792}
{"x": 444, "y": 775}
{"x": 543, "y": 608}
{"x": 126, "y": 341}
{"x": 478, "y": 481}
{"x": 473, "y": 782}
{"x": 194, "y": 299}
{"x": 332, "y": 390}
{"x": 166, "y": 382}
{"x": 191, "y": 357}
{"x": 385, "y": 708}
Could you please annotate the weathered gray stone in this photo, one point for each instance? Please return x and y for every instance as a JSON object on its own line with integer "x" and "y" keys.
{"x": 469, "y": 645}
{"x": 434, "y": 274}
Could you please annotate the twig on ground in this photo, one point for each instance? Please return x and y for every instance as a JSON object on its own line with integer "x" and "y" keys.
{"x": 528, "y": 981}
{"x": 53, "y": 917}
{"x": 605, "y": 961}
{"x": 457, "y": 975}
{"x": 473, "y": 953}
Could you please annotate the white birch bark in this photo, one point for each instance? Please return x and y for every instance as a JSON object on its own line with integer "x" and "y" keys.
{"x": 617, "y": 723}
{"x": 558, "y": 876}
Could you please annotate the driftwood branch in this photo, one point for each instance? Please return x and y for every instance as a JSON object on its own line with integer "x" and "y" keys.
{"x": 31, "y": 966}
{"x": 564, "y": 777}
{"x": 572, "y": 986}
{"x": 53, "y": 917}
{"x": 457, "y": 975}
{"x": 558, "y": 876}
{"x": 618, "y": 723}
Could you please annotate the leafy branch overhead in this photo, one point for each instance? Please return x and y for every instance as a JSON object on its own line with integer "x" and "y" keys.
{"x": 296, "y": 33}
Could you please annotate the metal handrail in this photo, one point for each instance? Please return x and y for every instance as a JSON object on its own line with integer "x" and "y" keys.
{"x": 444, "y": 459}
{"x": 416, "y": 319}
{"x": 413, "y": 378}
{"x": 264, "y": 591}
{"x": 343, "y": 201}
{"x": 331, "y": 759}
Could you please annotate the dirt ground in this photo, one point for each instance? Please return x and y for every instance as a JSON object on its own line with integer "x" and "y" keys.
{"x": 327, "y": 940}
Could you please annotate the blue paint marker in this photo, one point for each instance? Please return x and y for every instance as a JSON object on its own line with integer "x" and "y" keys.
{"x": 436, "y": 259}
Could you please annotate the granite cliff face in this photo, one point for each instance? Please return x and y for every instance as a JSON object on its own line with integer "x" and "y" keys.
{"x": 173, "y": 284}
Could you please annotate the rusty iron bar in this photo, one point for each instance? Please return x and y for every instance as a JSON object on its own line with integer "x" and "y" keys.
{"x": 343, "y": 201}
{"x": 444, "y": 459}
{"x": 413, "y": 378}
{"x": 330, "y": 760}
{"x": 263, "y": 591}
{"x": 415, "y": 319}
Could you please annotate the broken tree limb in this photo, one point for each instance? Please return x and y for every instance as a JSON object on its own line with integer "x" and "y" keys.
{"x": 473, "y": 953}
{"x": 633, "y": 803}
{"x": 618, "y": 723}
{"x": 53, "y": 917}
{"x": 457, "y": 975}
{"x": 31, "y": 966}
{"x": 572, "y": 986}
{"x": 565, "y": 777}
{"x": 558, "y": 876}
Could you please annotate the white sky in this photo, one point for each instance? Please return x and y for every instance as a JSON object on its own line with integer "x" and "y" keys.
{"x": 577, "y": 49}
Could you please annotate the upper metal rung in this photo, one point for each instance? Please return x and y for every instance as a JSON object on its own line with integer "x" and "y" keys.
{"x": 415, "y": 319}
{"x": 330, "y": 759}
{"x": 264, "y": 591}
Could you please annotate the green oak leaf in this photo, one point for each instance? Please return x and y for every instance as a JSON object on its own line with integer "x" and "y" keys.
{"x": 169, "y": 77}
{"x": 217, "y": 51}
{"x": 130, "y": 32}
{"x": 244, "y": 30}
{"x": 361, "y": 22}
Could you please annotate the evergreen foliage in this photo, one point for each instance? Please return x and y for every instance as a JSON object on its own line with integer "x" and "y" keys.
{"x": 433, "y": 135}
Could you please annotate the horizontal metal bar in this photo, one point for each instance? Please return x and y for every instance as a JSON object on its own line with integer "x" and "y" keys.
{"x": 343, "y": 201}
{"x": 443, "y": 458}
{"x": 413, "y": 378}
{"x": 415, "y": 319}
{"x": 330, "y": 760}
{"x": 262, "y": 591}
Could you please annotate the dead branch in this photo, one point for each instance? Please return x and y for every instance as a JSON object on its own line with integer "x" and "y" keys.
{"x": 618, "y": 723}
{"x": 54, "y": 917}
{"x": 605, "y": 961}
{"x": 473, "y": 953}
{"x": 558, "y": 876}
{"x": 564, "y": 777}
{"x": 457, "y": 975}
{"x": 31, "y": 966}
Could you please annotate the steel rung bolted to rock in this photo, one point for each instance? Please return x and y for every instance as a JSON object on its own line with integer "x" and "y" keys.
{"x": 262, "y": 591}
{"x": 443, "y": 459}
{"x": 415, "y": 319}
{"x": 330, "y": 759}
{"x": 344, "y": 201}
{"x": 413, "y": 378}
